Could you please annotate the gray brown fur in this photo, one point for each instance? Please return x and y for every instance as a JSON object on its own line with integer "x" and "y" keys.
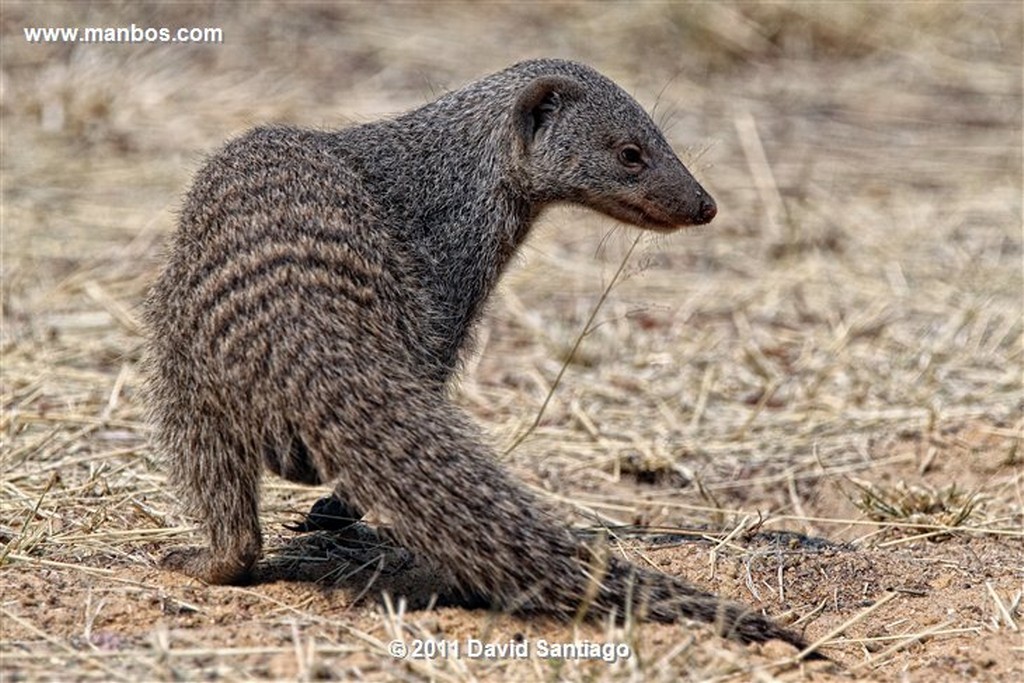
{"x": 317, "y": 297}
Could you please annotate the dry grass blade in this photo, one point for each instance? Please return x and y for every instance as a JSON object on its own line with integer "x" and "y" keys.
{"x": 843, "y": 627}
{"x": 588, "y": 326}
{"x": 761, "y": 171}
{"x": 948, "y": 507}
{"x": 1005, "y": 612}
{"x": 907, "y": 641}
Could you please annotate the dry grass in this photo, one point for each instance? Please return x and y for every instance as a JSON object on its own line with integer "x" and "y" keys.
{"x": 839, "y": 354}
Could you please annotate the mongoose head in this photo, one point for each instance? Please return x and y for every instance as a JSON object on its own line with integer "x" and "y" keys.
{"x": 582, "y": 139}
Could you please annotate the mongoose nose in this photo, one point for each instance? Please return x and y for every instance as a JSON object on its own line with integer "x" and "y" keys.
{"x": 708, "y": 209}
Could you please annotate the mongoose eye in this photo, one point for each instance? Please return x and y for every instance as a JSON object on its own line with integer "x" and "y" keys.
{"x": 631, "y": 157}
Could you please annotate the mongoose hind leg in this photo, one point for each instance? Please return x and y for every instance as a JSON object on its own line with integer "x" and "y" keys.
{"x": 219, "y": 482}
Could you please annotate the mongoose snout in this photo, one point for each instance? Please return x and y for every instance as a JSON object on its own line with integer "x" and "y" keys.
{"x": 707, "y": 210}
{"x": 320, "y": 293}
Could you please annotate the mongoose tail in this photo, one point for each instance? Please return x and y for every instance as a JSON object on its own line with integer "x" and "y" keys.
{"x": 317, "y": 298}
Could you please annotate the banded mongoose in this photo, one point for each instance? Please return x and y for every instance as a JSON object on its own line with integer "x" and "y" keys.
{"x": 317, "y": 297}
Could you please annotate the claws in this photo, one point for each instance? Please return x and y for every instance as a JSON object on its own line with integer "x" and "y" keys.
{"x": 199, "y": 563}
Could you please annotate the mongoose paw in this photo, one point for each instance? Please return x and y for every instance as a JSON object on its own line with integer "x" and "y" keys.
{"x": 327, "y": 514}
{"x": 200, "y": 563}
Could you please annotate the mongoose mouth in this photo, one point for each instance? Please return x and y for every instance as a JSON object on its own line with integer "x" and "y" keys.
{"x": 653, "y": 218}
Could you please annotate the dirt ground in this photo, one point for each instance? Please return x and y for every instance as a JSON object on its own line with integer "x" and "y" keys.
{"x": 813, "y": 405}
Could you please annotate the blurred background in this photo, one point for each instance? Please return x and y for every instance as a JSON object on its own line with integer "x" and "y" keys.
{"x": 866, "y": 158}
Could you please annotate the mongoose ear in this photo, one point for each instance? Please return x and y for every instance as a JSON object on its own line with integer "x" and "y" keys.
{"x": 541, "y": 102}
